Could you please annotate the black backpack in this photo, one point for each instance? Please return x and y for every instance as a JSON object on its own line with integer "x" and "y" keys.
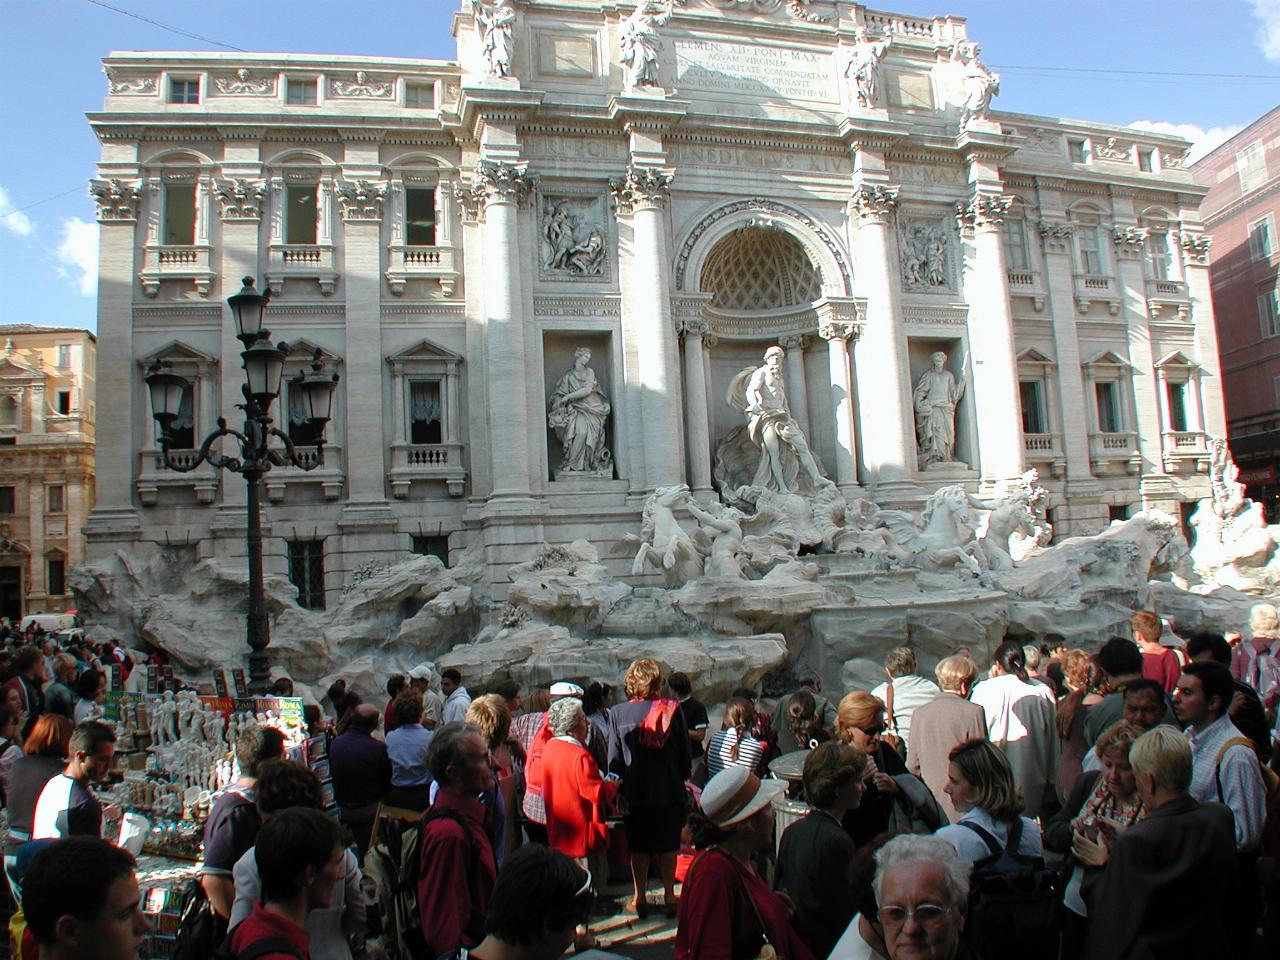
{"x": 1015, "y": 902}
{"x": 200, "y": 929}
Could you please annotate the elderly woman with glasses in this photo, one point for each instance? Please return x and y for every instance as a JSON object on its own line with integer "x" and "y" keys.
{"x": 922, "y": 888}
{"x": 860, "y": 722}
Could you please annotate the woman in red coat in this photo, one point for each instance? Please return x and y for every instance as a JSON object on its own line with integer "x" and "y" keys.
{"x": 575, "y": 795}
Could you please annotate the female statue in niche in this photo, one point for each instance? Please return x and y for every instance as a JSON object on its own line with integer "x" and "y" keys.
{"x": 936, "y": 396}
{"x": 578, "y": 412}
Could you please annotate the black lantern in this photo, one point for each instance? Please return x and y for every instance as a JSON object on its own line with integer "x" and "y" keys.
{"x": 316, "y": 390}
{"x": 249, "y": 307}
{"x": 167, "y": 390}
{"x": 263, "y": 368}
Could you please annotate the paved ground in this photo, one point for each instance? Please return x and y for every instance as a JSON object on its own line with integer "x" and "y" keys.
{"x": 625, "y": 934}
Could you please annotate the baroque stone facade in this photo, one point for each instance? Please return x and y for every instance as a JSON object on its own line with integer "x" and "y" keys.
{"x": 674, "y": 187}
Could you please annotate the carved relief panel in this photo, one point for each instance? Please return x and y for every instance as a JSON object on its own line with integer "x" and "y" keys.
{"x": 573, "y": 236}
{"x": 926, "y": 252}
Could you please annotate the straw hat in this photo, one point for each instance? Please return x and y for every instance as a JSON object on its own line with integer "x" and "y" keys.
{"x": 736, "y": 794}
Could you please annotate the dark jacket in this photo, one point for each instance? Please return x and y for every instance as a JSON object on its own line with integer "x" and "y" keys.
{"x": 813, "y": 860}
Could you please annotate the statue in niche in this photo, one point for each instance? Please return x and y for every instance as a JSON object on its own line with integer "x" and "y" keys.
{"x": 640, "y": 43}
{"x": 784, "y": 450}
{"x": 923, "y": 250}
{"x": 863, "y": 67}
{"x": 578, "y": 413}
{"x": 572, "y": 246}
{"x": 495, "y": 25}
{"x": 978, "y": 84}
{"x": 935, "y": 399}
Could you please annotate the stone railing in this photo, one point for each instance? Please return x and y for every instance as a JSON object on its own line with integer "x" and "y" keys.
{"x": 427, "y": 462}
{"x": 1109, "y": 450}
{"x": 192, "y": 263}
{"x": 327, "y": 474}
{"x": 407, "y": 263}
{"x": 301, "y": 261}
{"x": 154, "y": 476}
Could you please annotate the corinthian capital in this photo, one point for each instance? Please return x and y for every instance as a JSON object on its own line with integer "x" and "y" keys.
{"x": 1195, "y": 246}
{"x": 496, "y": 181}
{"x": 838, "y": 330}
{"x": 240, "y": 198}
{"x": 875, "y": 202}
{"x": 116, "y": 199}
{"x": 361, "y": 199}
{"x": 984, "y": 210}
{"x": 641, "y": 187}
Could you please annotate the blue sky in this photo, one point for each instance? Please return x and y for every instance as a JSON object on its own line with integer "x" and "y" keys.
{"x": 1056, "y": 59}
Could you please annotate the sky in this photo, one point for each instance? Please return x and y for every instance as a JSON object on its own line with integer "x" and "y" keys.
{"x": 1201, "y": 68}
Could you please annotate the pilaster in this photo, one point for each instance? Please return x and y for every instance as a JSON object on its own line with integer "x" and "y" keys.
{"x": 837, "y": 327}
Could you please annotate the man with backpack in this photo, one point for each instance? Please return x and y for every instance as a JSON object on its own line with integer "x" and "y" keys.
{"x": 456, "y": 866}
{"x": 300, "y": 854}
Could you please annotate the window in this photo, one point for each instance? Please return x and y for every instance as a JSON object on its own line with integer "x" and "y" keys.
{"x": 64, "y": 403}
{"x": 1251, "y": 167}
{"x": 9, "y": 411}
{"x": 1090, "y": 236}
{"x": 64, "y": 356}
{"x": 306, "y": 571}
{"x": 1177, "y": 394}
{"x": 179, "y": 214}
{"x": 8, "y": 499}
{"x": 300, "y": 92}
{"x": 55, "y": 498}
{"x": 184, "y": 91}
{"x": 57, "y": 576}
{"x": 1158, "y": 255}
{"x": 427, "y": 546}
{"x": 1262, "y": 233}
{"x": 1107, "y": 393}
{"x": 302, "y": 431}
{"x": 182, "y": 435}
{"x": 1033, "y": 413}
{"x": 1075, "y": 150}
{"x": 1144, "y": 161}
{"x": 1117, "y": 511}
{"x": 425, "y": 412}
{"x": 1269, "y": 313}
{"x": 300, "y": 214}
{"x": 420, "y": 216}
{"x": 1015, "y": 244}
{"x": 419, "y": 96}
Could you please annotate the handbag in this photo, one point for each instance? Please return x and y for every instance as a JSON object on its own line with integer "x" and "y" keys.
{"x": 767, "y": 950}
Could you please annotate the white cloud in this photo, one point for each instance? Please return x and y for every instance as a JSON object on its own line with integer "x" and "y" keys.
{"x": 11, "y": 219}
{"x": 1268, "y": 35}
{"x": 78, "y": 253}
{"x": 1202, "y": 140}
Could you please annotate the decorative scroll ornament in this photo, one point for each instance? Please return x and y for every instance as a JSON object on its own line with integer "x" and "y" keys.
{"x": 695, "y": 327}
{"x": 116, "y": 199}
{"x": 1113, "y": 151}
{"x": 362, "y": 86}
{"x": 875, "y": 202}
{"x": 1056, "y": 235}
{"x": 1130, "y": 241}
{"x": 130, "y": 86}
{"x": 1196, "y": 246}
{"x": 1173, "y": 161}
{"x": 984, "y": 210}
{"x": 243, "y": 85}
{"x": 498, "y": 182}
{"x": 241, "y": 199}
{"x": 838, "y": 330}
{"x": 642, "y": 187}
{"x": 361, "y": 199}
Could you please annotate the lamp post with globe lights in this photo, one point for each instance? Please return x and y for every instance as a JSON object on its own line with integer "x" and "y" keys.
{"x": 264, "y": 369}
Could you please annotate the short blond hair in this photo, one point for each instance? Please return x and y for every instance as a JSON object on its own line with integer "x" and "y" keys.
{"x": 1165, "y": 754}
{"x": 954, "y": 672}
{"x": 1146, "y": 625}
{"x": 491, "y": 715}
{"x": 1119, "y": 737}
{"x": 1264, "y": 621}
{"x": 643, "y": 679}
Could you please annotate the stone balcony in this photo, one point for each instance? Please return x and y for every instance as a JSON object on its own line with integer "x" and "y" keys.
{"x": 154, "y": 476}
{"x": 1185, "y": 451}
{"x": 427, "y": 461}
{"x": 1026, "y": 283}
{"x": 1168, "y": 297}
{"x": 301, "y": 261}
{"x": 422, "y": 263}
{"x": 1093, "y": 288}
{"x": 1045, "y": 449}
{"x": 328, "y": 476}
{"x": 1114, "y": 453}
{"x": 192, "y": 263}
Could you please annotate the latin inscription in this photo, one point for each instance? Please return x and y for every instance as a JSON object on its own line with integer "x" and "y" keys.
{"x": 922, "y": 173}
{"x": 575, "y": 148}
{"x": 697, "y": 155}
{"x": 753, "y": 70}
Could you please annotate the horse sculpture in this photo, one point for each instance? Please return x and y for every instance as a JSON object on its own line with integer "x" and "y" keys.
{"x": 663, "y": 543}
{"x": 945, "y": 535}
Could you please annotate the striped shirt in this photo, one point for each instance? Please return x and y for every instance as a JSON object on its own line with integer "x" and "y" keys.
{"x": 720, "y": 752}
{"x": 1239, "y": 774}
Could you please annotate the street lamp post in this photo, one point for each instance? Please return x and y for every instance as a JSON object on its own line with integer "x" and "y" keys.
{"x": 264, "y": 368}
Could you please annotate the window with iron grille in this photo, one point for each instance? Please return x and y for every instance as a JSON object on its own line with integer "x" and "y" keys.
{"x": 306, "y": 571}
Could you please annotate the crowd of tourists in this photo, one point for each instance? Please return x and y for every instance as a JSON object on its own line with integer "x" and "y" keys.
{"x": 1052, "y": 804}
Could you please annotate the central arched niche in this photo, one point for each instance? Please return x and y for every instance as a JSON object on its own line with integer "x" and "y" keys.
{"x": 760, "y": 268}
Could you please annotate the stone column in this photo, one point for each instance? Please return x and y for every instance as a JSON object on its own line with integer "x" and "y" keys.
{"x": 642, "y": 195}
{"x": 501, "y": 188}
{"x": 118, "y": 386}
{"x": 365, "y": 449}
{"x": 838, "y": 334}
{"x": 887, "y": 426}
{"x": 1150, "y": 403}
{"x": 994, "y": 363}
{"x": 797, "y": 389}
{"x": 697, "y": 423}
{"x": 1194, "y": 264}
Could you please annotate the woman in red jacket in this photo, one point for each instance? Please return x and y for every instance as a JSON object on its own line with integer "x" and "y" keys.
{"x": 575, "y": 794}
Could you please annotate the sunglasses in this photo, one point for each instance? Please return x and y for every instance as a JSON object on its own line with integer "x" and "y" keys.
{"x": 874, "y": 731}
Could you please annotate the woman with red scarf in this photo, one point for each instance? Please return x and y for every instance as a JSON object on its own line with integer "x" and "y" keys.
{"x": 649, "y": 750}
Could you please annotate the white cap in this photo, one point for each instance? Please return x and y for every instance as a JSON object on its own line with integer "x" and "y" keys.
{"x": 565, "y": 688}
{"x": 422, "y": 671}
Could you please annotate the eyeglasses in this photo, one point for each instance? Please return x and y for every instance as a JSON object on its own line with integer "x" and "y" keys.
{"x": 926, "y": 914}
{"x": 874, "y": 731}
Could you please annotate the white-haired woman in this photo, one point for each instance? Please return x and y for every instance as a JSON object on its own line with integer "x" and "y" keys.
{"x": 922, "y": 891}
{"x": 1256, "y": 661}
